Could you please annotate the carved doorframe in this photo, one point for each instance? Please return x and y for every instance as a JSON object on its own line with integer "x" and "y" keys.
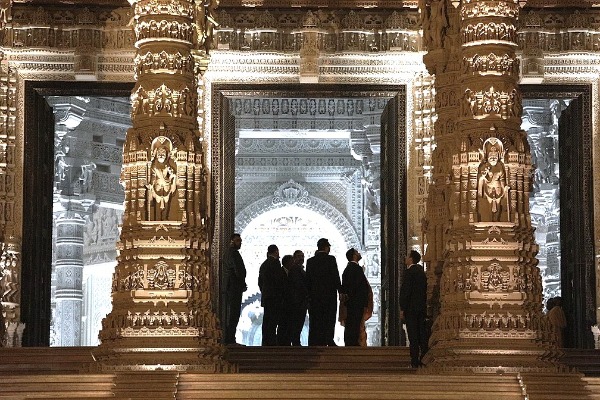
{"x": 578, "y": 263}
{"x": 36, "y": 249}
{"x": 222, "y": 154}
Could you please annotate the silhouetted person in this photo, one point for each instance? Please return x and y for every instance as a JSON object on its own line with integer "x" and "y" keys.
{"x": 271, "y": 281}
{"x": 323, "y": 282}
{"x": 296, "y": 299}
{"x": 235, "y": 286}
{"x": 558, "y": 320}
{"x": 413, "y": 306}
{"x": 356, "y": 293}
{"x": 284, "y": 335}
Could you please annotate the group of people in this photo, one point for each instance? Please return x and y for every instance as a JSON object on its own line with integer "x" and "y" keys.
{"x": 288, "y": 291}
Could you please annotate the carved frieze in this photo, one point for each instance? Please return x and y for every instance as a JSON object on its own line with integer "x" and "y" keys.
{"x": 163, "y": 101}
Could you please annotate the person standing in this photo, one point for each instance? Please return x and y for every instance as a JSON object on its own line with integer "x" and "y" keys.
{"x": 296, "y": 298}
{"x": 356, "y": 292}
{"x": 271, "y": 281}
{"x": 413, "y": 307}
{"x": 558, "y": 320}
{"x": 235, "y": 286}
{"x": 323, "y": 283}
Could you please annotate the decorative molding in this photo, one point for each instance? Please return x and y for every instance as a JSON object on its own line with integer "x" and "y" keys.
{"x": 292, "y": 193}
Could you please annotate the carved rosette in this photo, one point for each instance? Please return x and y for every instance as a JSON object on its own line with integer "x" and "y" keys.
{"x": 161, "y": 294}
{"x": 481, "y": 250}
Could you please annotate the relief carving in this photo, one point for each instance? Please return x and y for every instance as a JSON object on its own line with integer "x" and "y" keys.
{"x": 163, "y": 101}
{"x": 491, "y": 31}
{"x": 492, "y": 189}
{"x": 435, "y": 22}
{"x": 162, "y": 178}
{"x": 161, "y": 277}
{"x": 491, "y": 64}
{"x": 481, "y": 103}
{"x": 495, "y": 278}
{"x": 206, "y": 23}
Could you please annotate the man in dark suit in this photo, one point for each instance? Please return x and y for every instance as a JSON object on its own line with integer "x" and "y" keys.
{"x": 235, "y": 286}
{"x": 413, "y": 306}
{"x": 356, "y": 292}
{"x": 296, "y": 297}
{"x": 271, "y": 281}
{"x": 323, "y": 282}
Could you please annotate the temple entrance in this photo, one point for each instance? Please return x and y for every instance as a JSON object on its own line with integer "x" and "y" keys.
{"x": 73, "y": 201}
{"x": 558, "y": 122}
{"x": 244, "y": 200}
{"x": 298, "y": 165}
{"x": 291, "y": 227}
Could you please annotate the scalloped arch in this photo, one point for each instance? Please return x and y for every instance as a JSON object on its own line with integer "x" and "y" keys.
{"x": 268, "y": 203}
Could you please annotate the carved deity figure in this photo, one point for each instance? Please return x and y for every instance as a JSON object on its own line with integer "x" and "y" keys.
{"x": 162, "y": 180}
{"x": 425, "y": 23}
{"x": 437, "y": 23}
{"x": 492, "y": 190}
{"x": 206, "y": 23}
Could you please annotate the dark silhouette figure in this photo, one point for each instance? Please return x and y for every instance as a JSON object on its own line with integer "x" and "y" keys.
{"x": 271, "y": 281}
{"x": 356, "y": 293}
{"x": 413, "y": 306}
{"x": 235, "y": 286}
{"x": 323, "y": 282}
{"x": 557, "y": 319}
{"x": 296, "y": 297}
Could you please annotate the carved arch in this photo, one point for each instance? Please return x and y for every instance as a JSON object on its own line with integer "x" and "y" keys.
{"x": 292, "y": 193}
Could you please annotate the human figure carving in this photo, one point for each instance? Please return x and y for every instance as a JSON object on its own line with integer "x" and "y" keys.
{"x": 206, "y": 22}
{"x": 425, "y": 23}
{"x": 162, "y": 180}
{"x": 438, "y": 22}
{"x": 492, "y": 190}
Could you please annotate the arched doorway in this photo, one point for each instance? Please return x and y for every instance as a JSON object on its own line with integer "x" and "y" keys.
{"x": 291, "y": 228}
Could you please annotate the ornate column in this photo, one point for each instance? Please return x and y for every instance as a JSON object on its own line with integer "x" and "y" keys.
{"x": 69, "y": 272}
{"x": 71, "y": 204}
{"x": 162, "y": 314}
{"x": 481, "y": 250}
{"x": 11, "y": 327}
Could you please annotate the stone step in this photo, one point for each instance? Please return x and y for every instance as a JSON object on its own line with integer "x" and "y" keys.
{"x": 188, "y": 386}
{"x": 54, "y": 359}
{"x": 159, "y": 385}
{"x": 586, "y": 361}
{"x": 340, "y": 386}
{"x": 560, "y": 386}
{"x": 276, "y": 373}
{"x": 593, "y": 384}
{"x": 320, "y": 359}
{"x": 147, "y": 385}
{"x": 56, "y": 386}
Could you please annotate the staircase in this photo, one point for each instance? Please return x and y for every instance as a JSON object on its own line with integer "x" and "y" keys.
{"x": 321, "y": 359}
{"x": 276, "y": 373}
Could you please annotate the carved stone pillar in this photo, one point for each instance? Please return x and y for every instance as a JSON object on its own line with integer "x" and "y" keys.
{"x": 69, "y": 273}
{"x": 11, "y": 327}
{"x": 481, "y": 253}
{"x": 162, "y": 308}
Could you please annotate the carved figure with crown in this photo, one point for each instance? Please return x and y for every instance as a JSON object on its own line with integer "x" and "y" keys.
{"x": 162, "y": 180}
{"x": 492, "y": 188}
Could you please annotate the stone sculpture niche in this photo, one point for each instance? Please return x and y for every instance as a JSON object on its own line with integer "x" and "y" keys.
{"x": 492, "y": 188}
{"x": 162, "y": 181}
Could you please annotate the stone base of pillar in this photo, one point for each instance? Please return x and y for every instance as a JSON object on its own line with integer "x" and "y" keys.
{"x": 161, "y": 354}
{"x": 12, "y": 334}
{"x": 493, "y": 356}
